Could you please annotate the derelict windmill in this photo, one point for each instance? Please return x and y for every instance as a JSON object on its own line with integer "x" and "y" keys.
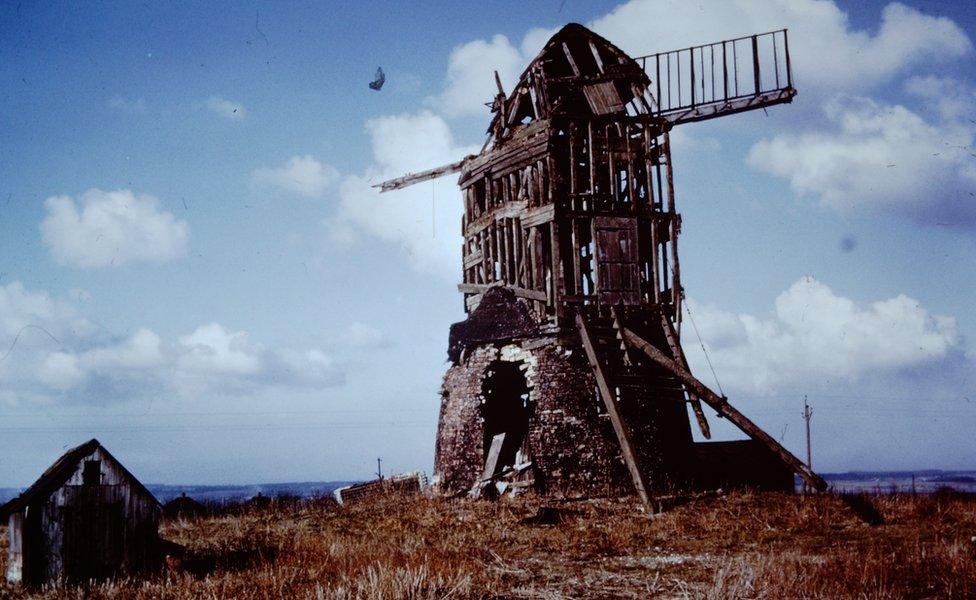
{"x": 572, "y": 281}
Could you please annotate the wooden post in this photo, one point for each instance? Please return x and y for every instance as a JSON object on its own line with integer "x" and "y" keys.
{"x": 619, "y": 425}
{"x": 722, "y": 406}
{"x": 679, "y": 356}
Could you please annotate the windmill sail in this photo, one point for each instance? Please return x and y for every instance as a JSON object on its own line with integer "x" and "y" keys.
{"x": 708, "y": 81}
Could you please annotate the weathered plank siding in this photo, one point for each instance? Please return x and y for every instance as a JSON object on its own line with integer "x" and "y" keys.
{"x": 70, "y": 528}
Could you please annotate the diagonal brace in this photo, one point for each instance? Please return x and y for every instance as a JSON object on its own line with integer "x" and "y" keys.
{"x": 722, "y": 406}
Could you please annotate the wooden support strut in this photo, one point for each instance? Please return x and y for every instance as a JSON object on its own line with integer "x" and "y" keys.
{"x": 619, "y": 425}
{"x": 679, "y": 356}
{"x": 722, "y": 406}
{"x": 412, "y": 178}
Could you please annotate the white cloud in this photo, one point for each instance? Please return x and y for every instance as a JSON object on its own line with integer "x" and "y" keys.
{"x": 361, "y": 335}
{"x": 952, "y": 99}
{"x": 225, "y": 108}
{"x": 45, "y": 316}
{"x": 213, "y": 358}
{"x": 470, "y": 75}
{"x": 301, "y": 174}
{"x": 61, "y": 371}
{"x": 211, "y": 348}
{"x": 881, "y": 158}
{"x": 827, "y": 54}
{"x": 428, "y": 235}
{"x": 142, "y": 350}
{"x": 815, "y": 335}
{"x": 112, "y": 228}
{"x": 56, "y": 353}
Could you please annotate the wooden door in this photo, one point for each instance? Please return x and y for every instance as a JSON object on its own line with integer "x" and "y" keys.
{"x": 92, "y": 547}
{"x": 617, "y": 270}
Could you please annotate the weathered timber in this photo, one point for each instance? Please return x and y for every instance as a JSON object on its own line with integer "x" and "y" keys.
{"x": 610, "y": 401}
{"x": 722, "y": 406}
{"x": 679, "y": 356}
{"x": 491, "y": 462}
{"x": 86, "y": 518}
{"x": 474, "y": 288}
{"x": 412, "y": 178}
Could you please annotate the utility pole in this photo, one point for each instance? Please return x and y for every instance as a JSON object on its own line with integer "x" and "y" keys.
{"x": 807, "y": 415}
{"x": 379, "y": 468}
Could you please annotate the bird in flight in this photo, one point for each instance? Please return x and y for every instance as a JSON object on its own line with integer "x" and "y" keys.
{"x": 378, "y": 79}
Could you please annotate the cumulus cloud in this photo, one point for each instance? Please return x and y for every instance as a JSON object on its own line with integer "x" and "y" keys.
{"x": 56, "y": 353}
{"x": 361, "y": 335}
{"x": 300, "y": 174}
{"x": 211, "y": 348}
{"x": 881, "y": 158}
{"x": 952, "y": 99}
{"x": 142, "y": 350}
{"x": 112, "y": 228}
{"x": 827, "y": 53}
{"x": 815, "y": 334}
{"x": 470, "y": 78}
{"x": 225, "y": 108}
{"x": 213, "y": 357}
{"x": 428, "y": 235}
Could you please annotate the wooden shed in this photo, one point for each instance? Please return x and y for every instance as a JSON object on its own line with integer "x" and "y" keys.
{"x": 86, "y": 518}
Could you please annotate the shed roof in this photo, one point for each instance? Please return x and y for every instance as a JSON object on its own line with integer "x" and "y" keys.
{"x": 58, "y": 473}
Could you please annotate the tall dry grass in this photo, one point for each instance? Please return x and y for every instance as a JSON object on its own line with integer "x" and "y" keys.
{"x": 742, "y": 545}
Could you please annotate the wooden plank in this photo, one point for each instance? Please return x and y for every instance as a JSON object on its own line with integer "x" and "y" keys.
{"x": 596, "y": 56}
{"x": 679, "y": 356}
{"x": 491, "y": 462}
{"x": 537, "y": 216}
{"x": 503, "y": 249}
{"x": 616, "y": 419}
{"x": 572, "y": 61}
{"x": 722, "y": 406}
{"x": 574, "y": 244}
{"x": 558, "y": 275}
{"x": 476, "y": 288}
{"x": 473, "y": 259}
{"x": 502, "y": 211}
{"x": 412, "y": 178}
{"x": 603, "y": 98}
{"x": 520, "y": 277}
{"x": 589, "y": 155}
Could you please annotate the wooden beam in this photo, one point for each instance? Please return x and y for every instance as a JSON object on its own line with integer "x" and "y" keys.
{"x": 619, "y": 425}
{"x": 722, "y": 406}
{"x": 412, "y": 178}
{"x": 491, "y": 462}
{"x": 538, "y": 215}
{"x": 679, "y": 356}
{"x": 476, "y": 288}
{"x": 572, "y": 61}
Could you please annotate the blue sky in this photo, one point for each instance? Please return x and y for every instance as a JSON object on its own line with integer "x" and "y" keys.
{"x": 197, "y": 272}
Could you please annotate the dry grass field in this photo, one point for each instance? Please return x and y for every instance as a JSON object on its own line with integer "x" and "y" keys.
{"x": 741, "y": 545}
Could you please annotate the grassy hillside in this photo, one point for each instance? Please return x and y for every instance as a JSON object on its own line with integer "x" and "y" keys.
{"x": 743, "y": 545}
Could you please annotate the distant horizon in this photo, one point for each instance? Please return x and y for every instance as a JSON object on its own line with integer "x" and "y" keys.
{"x": 825, "y": 474}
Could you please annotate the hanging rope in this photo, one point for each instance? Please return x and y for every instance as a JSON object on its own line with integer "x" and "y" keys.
{"x": 702, "y": 344}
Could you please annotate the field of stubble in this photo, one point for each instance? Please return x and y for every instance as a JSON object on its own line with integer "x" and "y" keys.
{"x": 739, "y": 545}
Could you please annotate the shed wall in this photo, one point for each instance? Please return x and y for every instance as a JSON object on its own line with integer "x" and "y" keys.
{"x": 92, "y": 531}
